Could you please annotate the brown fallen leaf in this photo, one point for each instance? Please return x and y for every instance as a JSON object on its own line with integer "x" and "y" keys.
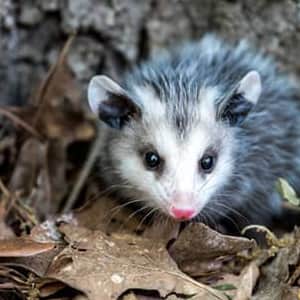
{"x": 49, "y": 287}
{"x": 112, "y": 265}
{"x": 35, "y": 263}
{"x": 20, "y": 247}
{"x": 291, "y": 293}
{"x": 198, "y": 245}
{"x": 24, "y": 285}
{"x": 11, "y": 279}
{"x": 34, "y": 252}
{"x": 277, "y": 276}
{"x": 239, "y": 286}
{"x": 248, "y": 280}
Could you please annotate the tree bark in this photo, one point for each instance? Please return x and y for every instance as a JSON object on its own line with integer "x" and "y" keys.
{"x": 113, "y": 35}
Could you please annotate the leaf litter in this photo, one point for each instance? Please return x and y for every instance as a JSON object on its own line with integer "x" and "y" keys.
{"x": 101, "y": 250}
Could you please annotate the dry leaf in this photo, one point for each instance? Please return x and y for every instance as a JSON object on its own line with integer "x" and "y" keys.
{"x": 48, "y": 287}
{"x": 291, "y": 293}
{"x": 112, "y": 265}
{"x": 36, "y": 263}
{"x": 277, "y": 272}
{"x": 28, "y": 285}
{"x": 11, "y": 279}
{"x": 20, "y": 247}
{"x": 247, "y": 282}
{"x": 198, "y": 245}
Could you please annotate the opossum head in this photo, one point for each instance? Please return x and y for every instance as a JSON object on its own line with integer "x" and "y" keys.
{"x": 171, "y": 145}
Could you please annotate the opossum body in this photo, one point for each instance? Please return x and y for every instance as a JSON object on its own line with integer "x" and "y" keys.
{"x": 200, "y": 132}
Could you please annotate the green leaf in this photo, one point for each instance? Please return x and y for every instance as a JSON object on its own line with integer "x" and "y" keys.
{"x": 225, "y": 287}
{"x": 287, "y": 192}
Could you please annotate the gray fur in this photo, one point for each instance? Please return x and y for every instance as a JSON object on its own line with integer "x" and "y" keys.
{"x": 267, "y": 143}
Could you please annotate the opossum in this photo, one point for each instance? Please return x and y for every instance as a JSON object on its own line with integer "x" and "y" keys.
{"x": 200, "y": 132}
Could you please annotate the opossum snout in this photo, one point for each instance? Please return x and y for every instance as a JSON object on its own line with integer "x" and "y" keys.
{"x": 182, "y": 214}
{"x": 183, "y": 206}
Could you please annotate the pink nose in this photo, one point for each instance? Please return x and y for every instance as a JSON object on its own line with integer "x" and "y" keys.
{"x": 182, "y": 214}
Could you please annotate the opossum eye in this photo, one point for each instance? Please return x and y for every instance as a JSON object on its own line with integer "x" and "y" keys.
{"x": 207, "y": 163}
{"x": 152, "y": 160}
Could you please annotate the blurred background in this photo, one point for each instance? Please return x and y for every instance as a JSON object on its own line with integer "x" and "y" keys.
{"x": 112, "y": 35}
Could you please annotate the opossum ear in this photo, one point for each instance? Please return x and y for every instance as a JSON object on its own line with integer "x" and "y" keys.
{"x": 110, "y": 102}
{"x": 243, "y": 99}
{"x": 250, "y": 87}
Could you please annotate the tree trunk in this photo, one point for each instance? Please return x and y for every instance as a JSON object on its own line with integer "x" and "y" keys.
{"x": 112, "y": 35}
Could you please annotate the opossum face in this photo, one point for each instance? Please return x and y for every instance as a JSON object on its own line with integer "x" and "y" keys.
{"x": 173, "y": 156}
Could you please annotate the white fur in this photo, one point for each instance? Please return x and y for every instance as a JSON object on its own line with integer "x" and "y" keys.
{"x": 207, "y": 110}
{"x": 181, "y": 174}
{"x": 151, "y": 105}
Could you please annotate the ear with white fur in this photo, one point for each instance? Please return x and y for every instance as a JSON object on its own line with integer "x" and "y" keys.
{"x": 250, "y": 87}
{"x": 244, "y": 98}
{"x": 110, "y": 102}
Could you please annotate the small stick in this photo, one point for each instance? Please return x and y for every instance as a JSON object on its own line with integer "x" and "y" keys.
{"x": 17, "y": 120}
{"x": 4, "y": 189}
{"x": 89, "y": 163}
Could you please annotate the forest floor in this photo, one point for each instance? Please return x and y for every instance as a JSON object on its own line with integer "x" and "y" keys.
{"x": 100, "y": 250}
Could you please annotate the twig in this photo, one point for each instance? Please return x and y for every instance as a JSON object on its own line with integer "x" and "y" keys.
{"x": 94, "y": 152}
{"x": 260, "y": 228}
{"x": 271, "y": 237}
{"x": 24, "y": 211}
{"x": 17, "y": 120}
{"x": 4, "y": 189}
